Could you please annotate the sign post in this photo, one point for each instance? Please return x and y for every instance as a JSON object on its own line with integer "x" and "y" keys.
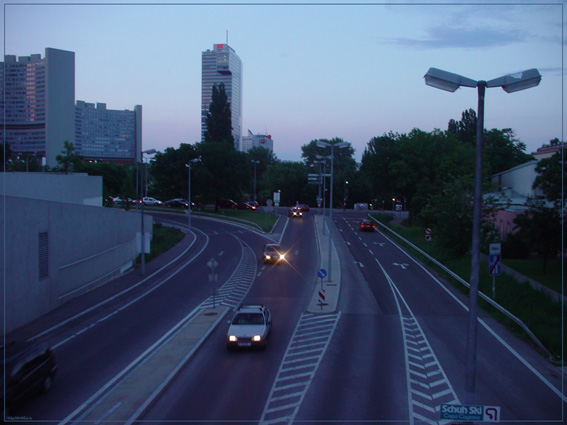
{"x": 495, "y": 261}
{"x": 213, "y": 278}
{"x": 321, "y": 274}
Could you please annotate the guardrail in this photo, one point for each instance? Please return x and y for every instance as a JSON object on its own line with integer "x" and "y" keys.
{"x": 480, "y": 294}
{"x": 228, "y": 218}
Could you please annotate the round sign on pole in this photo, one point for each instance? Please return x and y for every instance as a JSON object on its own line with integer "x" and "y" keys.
{"x": 322, "y": 273}
{"x": 428, "y": 233}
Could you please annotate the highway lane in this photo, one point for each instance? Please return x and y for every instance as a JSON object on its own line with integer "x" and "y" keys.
{"x": 503, "y": 378}
{"x": 220, "y": 385}
{"x": 93, "y": 348}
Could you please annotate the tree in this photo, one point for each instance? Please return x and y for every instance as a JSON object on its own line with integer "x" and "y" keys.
{"x": 550, "y": 177}
{"x": 540, "y": 228}
{"x": 290, "y": 178}
{"x": 169, "y": 170}
{"x": 219, "y": 120}
{"x": 68, "y": 157}
{"x": 465, "y": 130}
{"x": 502, "y": 151}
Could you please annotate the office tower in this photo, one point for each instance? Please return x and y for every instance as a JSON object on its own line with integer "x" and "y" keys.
{"x": 257, "y": 141}
{"x": 103, "y": 134}
{"x": 37, "y": 113}
{"x": 222, "y": 65}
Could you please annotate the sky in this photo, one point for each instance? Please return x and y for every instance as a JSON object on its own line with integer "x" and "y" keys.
{"x": 310, "y": 70}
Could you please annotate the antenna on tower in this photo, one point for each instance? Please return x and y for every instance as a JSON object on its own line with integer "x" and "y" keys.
{"x": 227, "y": 36}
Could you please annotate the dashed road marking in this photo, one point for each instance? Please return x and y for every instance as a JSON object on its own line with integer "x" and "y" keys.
{"x": 301, "y": 360}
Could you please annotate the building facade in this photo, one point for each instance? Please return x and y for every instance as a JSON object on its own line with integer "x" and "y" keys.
{"x": 38, "y": 102}
{"x": 222, "y": 65}
{"x": 103, "y": 134}
{"x": 257, "y": 141}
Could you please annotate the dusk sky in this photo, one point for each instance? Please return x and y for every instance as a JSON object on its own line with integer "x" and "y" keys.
{"x": 310, "y": 71}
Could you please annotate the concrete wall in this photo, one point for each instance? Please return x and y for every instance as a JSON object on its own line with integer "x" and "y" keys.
{"x": 77, "y": 188}
{"x": 86, "y": 247}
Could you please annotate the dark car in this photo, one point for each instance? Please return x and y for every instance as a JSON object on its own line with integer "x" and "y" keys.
{"x": 29, "y": 368}
{"x": 177, "y": 202}
{"x": 303, "y": 207}
{"x": 243, "y": 206}
{"x": 227, "y": 203}
{"x": 366, "y": 226}
{"x": 272, "y": 253}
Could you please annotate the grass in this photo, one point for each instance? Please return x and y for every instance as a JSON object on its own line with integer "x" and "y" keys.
{"x": 164, "y": 238}
{"x": 266, "y": 221}
{"x": 537, "y": 310}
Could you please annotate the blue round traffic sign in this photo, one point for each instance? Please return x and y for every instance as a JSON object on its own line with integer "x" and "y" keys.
{"x": 322, "y": 273}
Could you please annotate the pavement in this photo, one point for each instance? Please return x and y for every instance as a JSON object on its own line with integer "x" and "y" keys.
{"x": 130, "y": 394}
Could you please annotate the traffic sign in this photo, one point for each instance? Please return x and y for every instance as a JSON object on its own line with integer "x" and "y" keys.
{"x": 322, "y": 273}
{"x": 494, "y": 259}
{"x": 212, "y": 263}
{"x": 458, "y": 412}
{"x": 428, "y": 233}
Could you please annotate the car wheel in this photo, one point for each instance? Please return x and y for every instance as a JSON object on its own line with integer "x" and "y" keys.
{"x": 47, "y": 384}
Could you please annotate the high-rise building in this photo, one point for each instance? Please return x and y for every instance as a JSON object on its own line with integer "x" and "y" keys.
{"x": 37, "y": 109}
{"x": 222, "y": 65}
{"x": 108, "y": 135}
{"x": 257, "y": 141}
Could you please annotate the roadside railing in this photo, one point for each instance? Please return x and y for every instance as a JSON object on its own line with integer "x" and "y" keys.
{"x": 480, "y": 294}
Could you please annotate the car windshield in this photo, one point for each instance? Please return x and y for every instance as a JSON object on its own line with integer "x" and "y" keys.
{"x": 248, "y": 319}
{"x": 272, "y": 248}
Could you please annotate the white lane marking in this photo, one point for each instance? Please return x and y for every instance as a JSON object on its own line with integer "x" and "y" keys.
{"x": 125, "y": 291}
{"x": 308, "y": 345}
{"x": 532, "y": 369}
{"x": 422, "y": 404}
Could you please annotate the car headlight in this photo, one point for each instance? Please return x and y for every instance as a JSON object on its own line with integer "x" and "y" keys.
{"x": 232, "y": 338}
{"x": 282, "y": 256}
{"x": 267, "y": 257}
{"x": 257, "y": 338}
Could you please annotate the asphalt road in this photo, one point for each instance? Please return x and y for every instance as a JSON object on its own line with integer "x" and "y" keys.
{"x": 392, "y": 352}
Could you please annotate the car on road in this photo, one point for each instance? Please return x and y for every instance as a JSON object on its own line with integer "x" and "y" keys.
{"x": 250, "y": 327}
{"x": 303, "y": 207}
{"x": 366, "y": 226}
{"x": 177, "y": 202}
{"x": 29, "y": 368}
{"x": 295, "y": 212}
{"x": 227, "y": 203}
{"x": 272, "y": 253}
{"x": 151, "y": 201}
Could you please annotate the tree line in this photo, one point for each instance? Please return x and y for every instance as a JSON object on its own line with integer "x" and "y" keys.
{"x": 429, "y": 173}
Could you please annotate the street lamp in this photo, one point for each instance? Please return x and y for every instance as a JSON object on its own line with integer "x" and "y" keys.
{"x": 340, "y": 145}
{"x": 253, "y": 161}
{"x": 143, "y": 241}
{"x": 448, "y": 81}
{"x": 188, "y": 165}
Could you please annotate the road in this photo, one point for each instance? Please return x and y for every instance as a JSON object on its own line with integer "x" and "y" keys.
{"x": 393, "y": 351}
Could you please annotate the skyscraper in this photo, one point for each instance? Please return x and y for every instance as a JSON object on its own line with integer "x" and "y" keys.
{"x": 108, "y": 135}
{"x": 222, "y": 65}
{"x": 37, "y": 112}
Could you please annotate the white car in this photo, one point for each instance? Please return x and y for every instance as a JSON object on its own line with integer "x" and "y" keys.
{"x": 151, "y": 201}
{"x": 250, "y": 327}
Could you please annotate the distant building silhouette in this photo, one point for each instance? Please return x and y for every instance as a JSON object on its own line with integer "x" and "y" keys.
{"x": 257, "y": 141}
{"x": 222, "y": 65}
{"x": 39, "y": 113}
{"x": 107, "y": 135}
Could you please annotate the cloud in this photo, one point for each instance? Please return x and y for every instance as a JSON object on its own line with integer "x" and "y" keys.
{"x": 447, "y": 37}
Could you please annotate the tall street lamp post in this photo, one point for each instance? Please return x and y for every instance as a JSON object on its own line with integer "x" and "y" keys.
{"x": 255, "y": 162}
{"x": 451, "y": 82}
{"x": 143, "y": 238}
{"x": 323, "y": 160}
{"x": 188, "y": 165}
{"x": 340, "y": 145}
